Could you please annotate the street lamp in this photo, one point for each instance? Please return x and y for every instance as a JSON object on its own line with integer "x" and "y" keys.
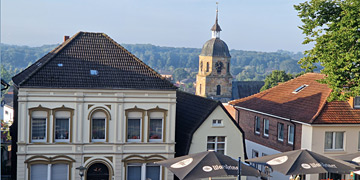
{"x": 81, "y": 171}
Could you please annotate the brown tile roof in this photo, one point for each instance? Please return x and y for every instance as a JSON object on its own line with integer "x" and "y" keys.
{"x": 303, "y": 106}
{"x": 338, "y": 112}
{"x": 69, "y": 66}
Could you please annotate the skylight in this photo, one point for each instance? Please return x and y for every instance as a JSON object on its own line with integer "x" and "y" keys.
{"x": 300, "y": 88}
{"x": 93, "y": 72}
{"x": 60, "y": 65}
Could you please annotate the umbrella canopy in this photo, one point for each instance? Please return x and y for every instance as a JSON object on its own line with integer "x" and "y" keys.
{"x": 207, "y": 164}
{"x": 303, "y": 162}
{"x": 351, "y": 158}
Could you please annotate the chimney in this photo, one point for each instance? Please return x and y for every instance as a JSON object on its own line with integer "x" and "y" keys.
{"x": 66, "y": 38}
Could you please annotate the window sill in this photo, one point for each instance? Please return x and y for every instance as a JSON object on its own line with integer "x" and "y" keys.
{"x": 335, "y": 151}
{"x": 62, "y": 142}
{"x": 222, "y": 126}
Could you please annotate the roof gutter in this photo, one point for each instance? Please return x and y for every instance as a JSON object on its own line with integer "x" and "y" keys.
{"x": 274, "y": 116}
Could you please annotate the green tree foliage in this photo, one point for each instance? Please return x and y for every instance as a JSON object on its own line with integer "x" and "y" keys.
{"x": 274, "y": 78}
{"x": 245, "y": 65}
{"x": 333, "y": 26}
{"x": 180, "y": 74}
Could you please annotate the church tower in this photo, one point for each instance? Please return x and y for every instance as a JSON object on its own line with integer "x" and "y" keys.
{"x": 214, "y": 79}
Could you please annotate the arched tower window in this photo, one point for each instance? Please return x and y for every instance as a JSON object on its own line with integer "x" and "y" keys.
{"x": 218, "y": 90}
{"x": 228, "y": 67}
{"x": 201, "y": 66}
{"x": 200, "y": 89}
{"x": 207, "y": 67}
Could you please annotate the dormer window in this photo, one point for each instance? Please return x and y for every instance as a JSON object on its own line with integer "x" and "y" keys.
{"x": 94, "y": 72}
{"x": 300, "y": 88}
{"x": 357, "y": 102}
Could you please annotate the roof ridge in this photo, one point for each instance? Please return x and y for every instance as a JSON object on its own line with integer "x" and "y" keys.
{"x": 320, "y": 109}
{"x": 55, "y": 51}
{"x": 275, "y": 87}
{"x": 137, "y": 59}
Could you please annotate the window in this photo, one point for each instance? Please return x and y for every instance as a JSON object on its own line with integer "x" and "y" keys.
{"x": 300, "y": 88}
{"x": 280, "y": 131}
{"x": 216, "y": 143}
{"x": 200, "y": 89}
{"x": 134, "y": 129}
{"x": 207, "y": 67}
{"x": 62, "y": 126}
{"x": 257, "y": 125}
{"x": 134, "y": 124}
{"x": 49, "y": 171}
{"x": 155, "y": 129}
{"x": 201, "y": 66}
{"x": 291, "y": 131}
{"x": 255, "y": 154}
{"x": 359, "y": 142}
{"x": 357, "y": 102}
{"x": 266, "y": 127}
{"x": 143, "y": 171}
{"x": 263, "y": 167}
{"x": 228, "y": 67}
{"x": 39, "y": 125}
{"x": 98, "y": 127}
{"x": 334, "y": 140}
{"x": 218, "y": 90}
{"x": 217, "y": 122}
{"x": 94, "y": 72}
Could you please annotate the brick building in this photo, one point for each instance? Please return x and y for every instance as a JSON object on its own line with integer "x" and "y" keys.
{"x": 296, "y": 115}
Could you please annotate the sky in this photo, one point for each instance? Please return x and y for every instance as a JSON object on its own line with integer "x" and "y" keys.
{"x": 252, "y": 25}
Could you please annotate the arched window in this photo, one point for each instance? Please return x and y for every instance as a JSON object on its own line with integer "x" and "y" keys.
{"x": 39, "y": 123}
{"x": 218, "y": 90}
{"x": 200, "y": 89}
{"x": 228, "y": 67}
{"x": 201, "y": 66}
{"x": 207, "y": 67}
{"x": 97, "y": 171}
{"x": 98, "y": 126}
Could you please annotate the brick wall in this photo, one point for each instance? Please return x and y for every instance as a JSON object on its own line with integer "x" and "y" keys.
{"x": 247, "y": 123}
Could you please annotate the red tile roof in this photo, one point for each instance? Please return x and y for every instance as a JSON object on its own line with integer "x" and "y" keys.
{"x": 338, "y": 112}
{"x": 303, "y": 106}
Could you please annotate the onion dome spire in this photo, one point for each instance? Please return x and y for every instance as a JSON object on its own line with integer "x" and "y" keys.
{"x": 216, "y": 27}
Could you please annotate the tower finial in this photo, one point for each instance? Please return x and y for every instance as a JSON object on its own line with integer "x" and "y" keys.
{"x": 216, "y": 28}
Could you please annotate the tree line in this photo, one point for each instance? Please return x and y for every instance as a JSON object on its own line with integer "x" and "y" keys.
{"x": 245, "y": 65}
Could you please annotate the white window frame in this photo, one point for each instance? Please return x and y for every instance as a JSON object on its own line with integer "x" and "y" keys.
{"x": 289, "y": 131}
{"x": 257, "y": 121}
{"x": 49, "y": 170}
{"x": 99, "y": 140}
{"x": 356, "y": 105}
{"x": 162, "y": 129}
{"x": 268, "y": 127}
{"x": 282, "y": 131}
{"x": 216, "y": 143}
{"x": 334, "y": 141}
{"x": 359, "y": 141}
{"x": 141, "y": 127}
{"x": 46, "y": 130}
{"x": 253, "y": 156}
{"x": 217, "y": 123}
{"x": 62, "y": 140}
{"x": 143, "y": 169}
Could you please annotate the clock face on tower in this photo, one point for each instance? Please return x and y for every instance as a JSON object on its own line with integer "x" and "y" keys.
{"x": 218, "y": 66}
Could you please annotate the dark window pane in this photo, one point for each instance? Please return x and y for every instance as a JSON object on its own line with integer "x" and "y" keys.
{"x": 133, "y": 129}
{"x": 98, "y": 129}
{"x": 155, "y": 129}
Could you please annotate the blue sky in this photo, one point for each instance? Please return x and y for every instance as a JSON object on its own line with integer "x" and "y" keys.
{"x": 258, "y": 25}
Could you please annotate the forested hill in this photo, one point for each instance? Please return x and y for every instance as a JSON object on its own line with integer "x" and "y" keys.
{"x": 246, "y": 65}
